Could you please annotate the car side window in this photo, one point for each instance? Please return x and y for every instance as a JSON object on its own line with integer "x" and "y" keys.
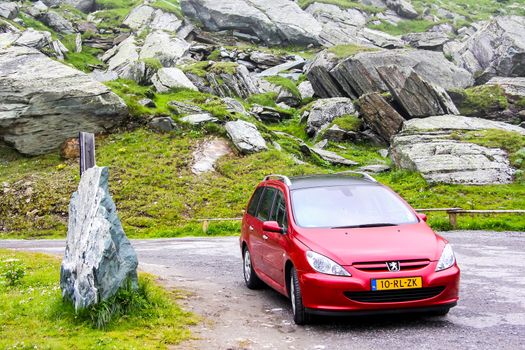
{"x": 279, "y": 211}
{"x": 265, "y": 207}
{"x": 254, "y": 203}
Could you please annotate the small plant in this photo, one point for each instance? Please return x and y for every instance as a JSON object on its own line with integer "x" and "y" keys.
{"x": 12, "y": 270}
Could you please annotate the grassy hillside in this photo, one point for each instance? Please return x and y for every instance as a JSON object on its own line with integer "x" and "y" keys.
{"x": 158, "y": 196}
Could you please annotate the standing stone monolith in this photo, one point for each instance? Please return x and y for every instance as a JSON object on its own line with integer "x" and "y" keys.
{"x": 99, "y": 258}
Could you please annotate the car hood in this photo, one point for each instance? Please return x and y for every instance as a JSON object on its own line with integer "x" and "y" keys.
{"x": 389, "y": 243}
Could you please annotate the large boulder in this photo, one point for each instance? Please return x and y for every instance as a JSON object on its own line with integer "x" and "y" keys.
{"x": 37, "y": 118}
{"x": 427, "y": 145}
{"x": 99, "y": 259}
{"x": 417, "y": 97}
{"x": 146, "y": 17}
{"x": 245, "y": 136}
{"x": 427, "y": 40}
{"x": 164, "y": 47}
{"x": 497, "y": 49}
{"x": 380, "y": 116}
{"x": 513, "y": 87}
{"x": 357, "y": 75}
{"x": 171, "y": 78}
{"x": 82, "y": 5}
{"x": 274, "y": 22}
{"x": 324, "y": 111}
{"x": 9, "y": 10}
{"x": 57, "y": 22}
{"x": 402, "y": 7}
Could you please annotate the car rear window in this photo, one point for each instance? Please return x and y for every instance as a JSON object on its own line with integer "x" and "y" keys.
{"x": 252, "y": 207}
{"x": 279, "y": 211}
{"x": 349, "y": 206}
{"x": 265, "y": 207}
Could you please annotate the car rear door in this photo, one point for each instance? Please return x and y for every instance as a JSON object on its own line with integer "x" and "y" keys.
{"x": 256, "y": 227}
{"x": 248, "y": 223}
{"x": 274, "y": 244}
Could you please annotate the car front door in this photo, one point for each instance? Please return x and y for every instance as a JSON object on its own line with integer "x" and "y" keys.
{"x": 274, "y": 245}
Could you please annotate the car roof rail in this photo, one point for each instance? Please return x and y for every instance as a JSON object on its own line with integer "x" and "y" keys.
{"x": 363, "y": 174}
{"x": 282, "y": 178}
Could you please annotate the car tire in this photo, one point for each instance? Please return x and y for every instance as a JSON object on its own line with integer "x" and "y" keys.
{"x": 300, "y": 316}
{"x": 250, "y": 277}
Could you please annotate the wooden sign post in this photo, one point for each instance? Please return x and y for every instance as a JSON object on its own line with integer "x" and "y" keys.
{"x": 86, "y": 141}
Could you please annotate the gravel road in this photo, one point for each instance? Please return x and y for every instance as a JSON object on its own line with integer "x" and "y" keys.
{"x": 490, "y": 314}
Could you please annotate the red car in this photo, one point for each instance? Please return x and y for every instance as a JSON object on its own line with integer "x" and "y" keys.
{"x": 344, "y": 244}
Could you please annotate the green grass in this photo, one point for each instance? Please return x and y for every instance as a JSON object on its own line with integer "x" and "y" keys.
{"x": 34, "y": 316}
{"x": 30, "y": 22}
{"x": 347, "y": 122}
{"x": 347, "y": 50}
{"x": 172, "y": 6}
{"x": 345, "y": 4}
{"x": 285, "y": 83}
{"x": 479, "y": 100}
{"x": 405, "y": 26}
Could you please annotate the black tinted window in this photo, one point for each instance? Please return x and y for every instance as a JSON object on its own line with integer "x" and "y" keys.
{"x": 265, "y": 207}
{"x": 279, "y": 211}
{"x": 252, "y": 207}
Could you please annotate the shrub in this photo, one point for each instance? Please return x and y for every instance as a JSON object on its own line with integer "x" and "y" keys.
{"x": 12, "y": 270}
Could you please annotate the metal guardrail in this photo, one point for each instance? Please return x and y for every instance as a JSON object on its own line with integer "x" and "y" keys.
{"x": 453, "y": 214}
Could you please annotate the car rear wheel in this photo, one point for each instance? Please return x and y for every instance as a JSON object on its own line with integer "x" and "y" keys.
{"x": 300, "y": 316}
{"x": 250, "y": 277}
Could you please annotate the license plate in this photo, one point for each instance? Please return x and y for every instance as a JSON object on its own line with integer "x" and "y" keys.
{"x": 397, "y": 283}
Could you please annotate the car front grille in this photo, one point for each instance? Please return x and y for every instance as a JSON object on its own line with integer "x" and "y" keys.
{"x": 380, "y": 266}
{"x": 392, "y": 296}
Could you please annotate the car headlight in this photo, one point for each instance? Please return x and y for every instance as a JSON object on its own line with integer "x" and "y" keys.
{"x": 321, "y": 263}
{"x": 447, "y": 259}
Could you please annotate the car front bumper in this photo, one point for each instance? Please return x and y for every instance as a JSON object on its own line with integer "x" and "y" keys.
{"x": 325, "y": 294}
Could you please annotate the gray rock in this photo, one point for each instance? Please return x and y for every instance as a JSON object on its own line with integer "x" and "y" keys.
{"x": 82, "y": 5}
{"x": 145, "y": 17}
{"x": 34, "y": 38}
{"x": 171, "y": 78}
{"x": 162, "y": 124}
{"x": 497, "y": 49}
{"x": 78, "y": 43}
{"x": 37, "y": 118}
{"x": 296, "y": 63}
{"x": 358, "y": 75}
{"x": 381, "y": 39}
{"x": 9, "y": 10}
{"x": 383, "y": 152}
{"x": 336, "y": 134}
{"x": 181, "y": 108}
{"x": 99, "y": 259}
{"x": 103, "y": 76}
{"x": 403, "y": 8}
{"x": 207, "y": 154}
{"x": 321, "y": 144}
{"x": 269, "y": 114}
{"x": 196, "y": 119}
{"x": 287, "y": 97}
{"x": 233, "y": 106}
{"x": 57, "y": 22}
{"x": 139, "y": 17}
{"x": 274, "y": 22}
{"x": 264, "y": 58}
{"x": 324, "y": 111}
{"x": 426, "y": 145}
{"x": 416, "y": 96}
{"x": 37, "y": 9}
{"x": 166, "y": 21}
{"x": 226, "y": 84}
{"x": 123, "y": 60}
{"x": 306, "y": 90}
{"x": 380, "y": 116}
{"x": 162, "y": 46}
{"x": 427, "y": 40}
{"x": 245, "y": 137}
{"x": 512, "y": 86}
{"x": 329, "y": 156}
{"x": 147, "y": 102}
{"x": 375, "y": 168}
{"x": 318, "y": 72}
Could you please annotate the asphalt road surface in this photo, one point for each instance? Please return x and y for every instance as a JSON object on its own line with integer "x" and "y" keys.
{"x": 490, "y": 314}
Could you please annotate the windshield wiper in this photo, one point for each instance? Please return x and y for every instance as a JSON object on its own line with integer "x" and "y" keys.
{"x": 379, "y": 224}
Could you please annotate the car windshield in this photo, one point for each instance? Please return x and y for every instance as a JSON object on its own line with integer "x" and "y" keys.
{"x": 349, "y": 206}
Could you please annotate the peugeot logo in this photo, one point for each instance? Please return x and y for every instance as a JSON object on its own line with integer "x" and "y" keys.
{"x": 393, "y": 266}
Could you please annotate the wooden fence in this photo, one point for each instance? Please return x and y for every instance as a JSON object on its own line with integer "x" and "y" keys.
{"x": 453, "y": 214}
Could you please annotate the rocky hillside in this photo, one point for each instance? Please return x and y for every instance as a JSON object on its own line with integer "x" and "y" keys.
{"x": 422, "y": 92}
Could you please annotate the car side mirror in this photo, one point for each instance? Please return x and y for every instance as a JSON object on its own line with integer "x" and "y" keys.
{"x": 272, "y": 226}
{"x": 422, "y": 217}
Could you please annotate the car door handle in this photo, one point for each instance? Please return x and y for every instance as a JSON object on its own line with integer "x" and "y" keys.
{"x": 265, "y": 237}
{"x": 250, "y": 228}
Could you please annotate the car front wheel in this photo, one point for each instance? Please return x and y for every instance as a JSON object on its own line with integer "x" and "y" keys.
{"x": 300, "y": 316}
{"x": 250, "y": 277}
